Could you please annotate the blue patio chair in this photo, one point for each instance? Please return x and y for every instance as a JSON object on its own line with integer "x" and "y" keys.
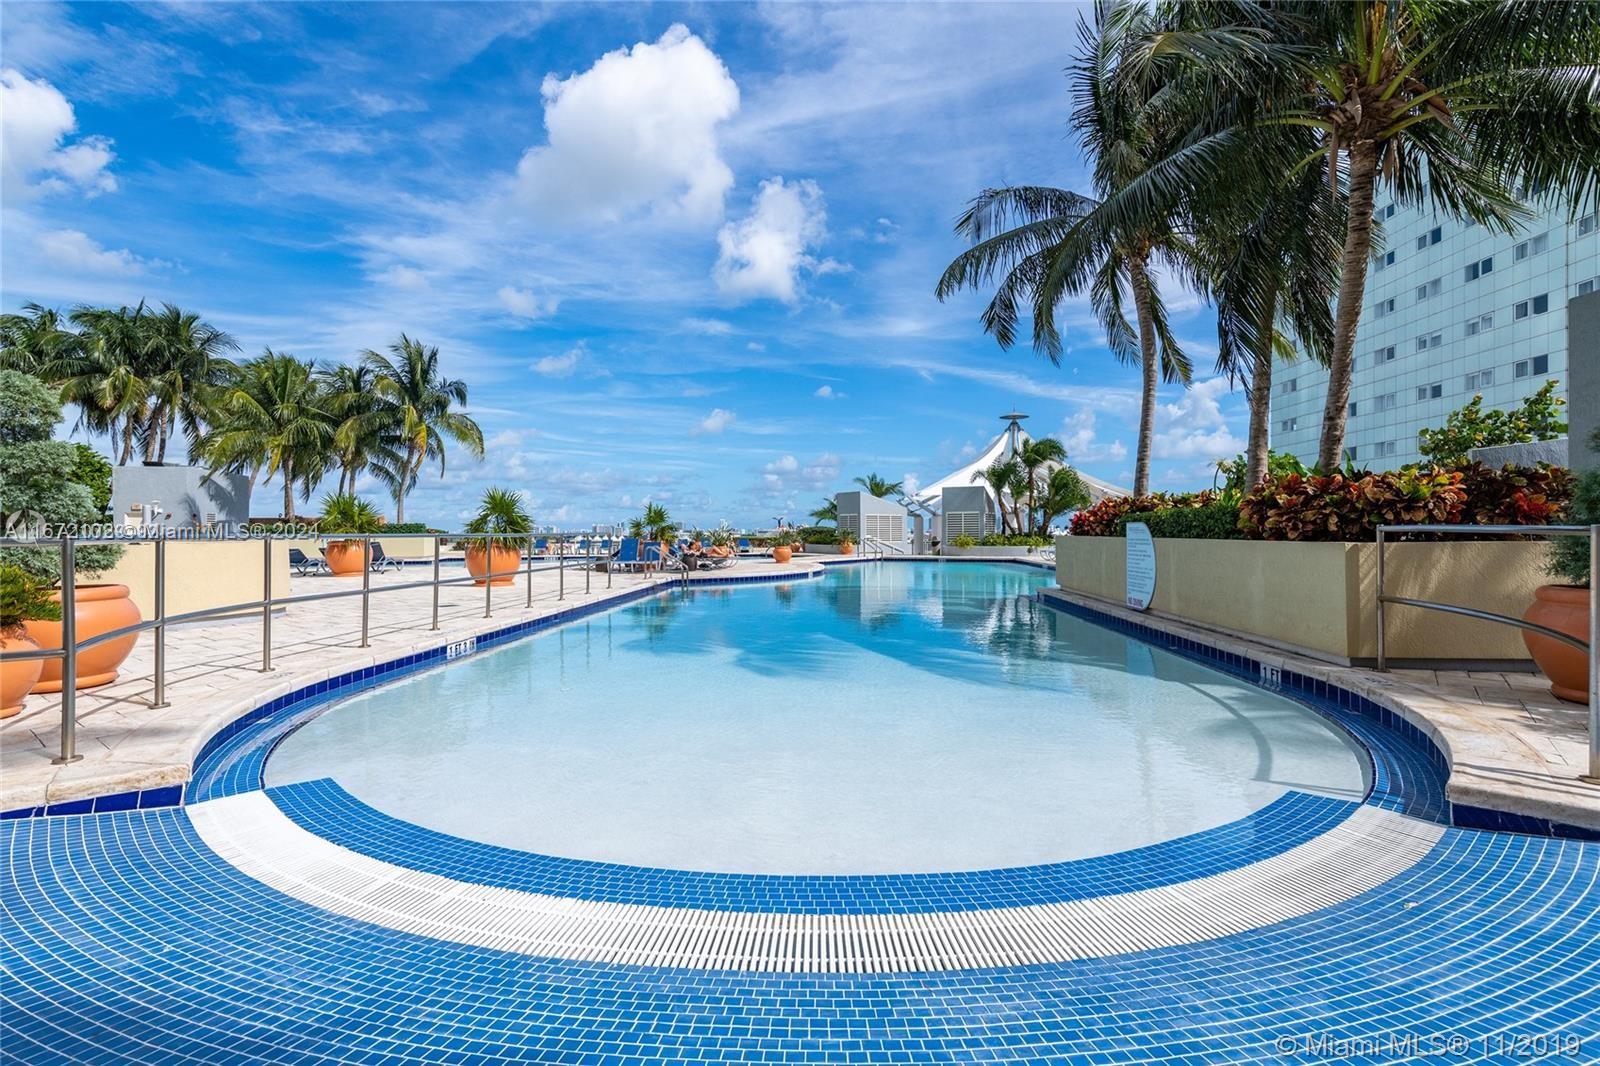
{"x": 628, "y": 556}
{"x": 744, "y": 544}
{"x": 542, "y": 545}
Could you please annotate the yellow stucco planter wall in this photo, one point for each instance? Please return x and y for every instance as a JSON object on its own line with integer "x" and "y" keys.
{"x": 1319, "y": 598}
{"x": 200, "y": 573}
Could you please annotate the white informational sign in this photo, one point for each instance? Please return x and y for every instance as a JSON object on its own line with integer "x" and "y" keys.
{"x": 1141, "y": 566}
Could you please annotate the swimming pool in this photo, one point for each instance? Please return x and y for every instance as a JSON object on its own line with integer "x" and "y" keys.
{"x": 884, "y": 718}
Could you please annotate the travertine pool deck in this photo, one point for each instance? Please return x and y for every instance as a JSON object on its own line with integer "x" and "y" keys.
{"x": 213, "y": 673}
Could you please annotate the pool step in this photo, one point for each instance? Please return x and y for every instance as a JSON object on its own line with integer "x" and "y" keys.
{"x": 1370, "y": 847}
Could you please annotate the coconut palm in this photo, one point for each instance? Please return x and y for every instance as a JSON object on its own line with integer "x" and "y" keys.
{"x": 1037, "y": 458}
{"x": 1033, "y": 234}
{"x": 828, "y": 512}
{"x": 106, "y": 374}
{"x": 1455, "y": 107}
{"x": 1008, "y": 481}
{"x": 653, "y": 524}
{"x": 273, "y": 419}
{"x": 414, "y": 403}
{"x": 362, "y": 441}
{"x": 35, "y": 341}
{"x": 880, "y": 487}
{"x": 187, "y": 363}
{"x": 1064, "y": 492}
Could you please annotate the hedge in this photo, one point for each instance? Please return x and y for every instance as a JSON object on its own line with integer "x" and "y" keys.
{"x": 1217, "y": 520}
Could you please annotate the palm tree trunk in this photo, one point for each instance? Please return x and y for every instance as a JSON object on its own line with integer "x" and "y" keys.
{"x": 288, "y": 494}
{"x": 127, "y": 443}
{"x": 1257, "y": 447}
{"x": 161, "y": 450}
{"x": 1139, "y": 280}
{"x": 1352, "y": 289}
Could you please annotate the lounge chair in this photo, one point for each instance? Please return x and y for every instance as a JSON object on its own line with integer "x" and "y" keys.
{"x": 661, "y": 557}
{"x": 541, "y": 546}
{"x": 627, "y": 556}
{"x": 382, "y": 562}
{"x": 306, "y": 565}
{"x": 744, "y": 546}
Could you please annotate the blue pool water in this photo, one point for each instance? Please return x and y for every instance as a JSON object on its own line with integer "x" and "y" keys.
{"x": 903, "y": 717}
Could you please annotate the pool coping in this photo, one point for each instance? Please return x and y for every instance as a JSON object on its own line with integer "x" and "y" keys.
{"x": 1465, "y": 741}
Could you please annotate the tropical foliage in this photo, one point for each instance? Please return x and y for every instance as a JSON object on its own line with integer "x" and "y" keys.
{"x": 654, "y": 524}
{"x": 1033, "y": 487}
{"x": 1200, "y": 519}
{"x": 1468, "y": 427}
{"x": 499, "y": 511}
{"x": 347, "y": 513}
{"x": 1569, "y": 556}
{"x": 879, "y": 487}
{"x": 139, "y": 376}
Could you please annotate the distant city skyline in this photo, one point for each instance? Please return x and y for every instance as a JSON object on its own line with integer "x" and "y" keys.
{"x": 683, "y": 253}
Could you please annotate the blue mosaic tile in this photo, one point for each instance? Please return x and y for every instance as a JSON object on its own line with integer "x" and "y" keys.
{"x": 327, "y": 810}
{"x": 128, "y": 941}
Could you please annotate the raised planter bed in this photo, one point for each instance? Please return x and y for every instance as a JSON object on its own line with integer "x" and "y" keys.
{"x": 994, "y": 551}
{"x": 1319, "y": 599}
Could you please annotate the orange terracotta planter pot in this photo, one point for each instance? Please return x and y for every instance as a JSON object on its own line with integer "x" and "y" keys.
{"x": 1564, "y": 608}
{"x": 345, "y": 557}
{"x": 17, "y": 676}
{"x": 782, "y": 554}
{"x": 98, "y": 609}
{"x": 506, "y": 561}
{"x": 846, "y": 548}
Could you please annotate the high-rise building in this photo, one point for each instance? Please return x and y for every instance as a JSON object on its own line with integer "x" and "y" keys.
{"x": 1452, "y": 311}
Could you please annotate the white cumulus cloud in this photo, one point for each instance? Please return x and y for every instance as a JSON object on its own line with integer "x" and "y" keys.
{"x": 559, "y": 366}
{"x": 35, "y": 122}
{"x": 1078, "y": 434}
{"x": 715, "y": 422}
{"x": 638, "y": 129}
{"x": 828, "y": 392}
{"x": 525, "y": 303}
{"x": 76, "y": 250}
{"x": 1198, "y": 428}
{"x": 711, "y": 327}
{"x": 764, "y": 253}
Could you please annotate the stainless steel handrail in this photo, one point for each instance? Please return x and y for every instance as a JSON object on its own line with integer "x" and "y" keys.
{"x": 1588, "y": 647}
{"x": 70, "y": 648}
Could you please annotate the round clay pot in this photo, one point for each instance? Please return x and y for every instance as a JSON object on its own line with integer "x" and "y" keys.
{"x": 98, "y": 609}
{"x": 846, "y": 548}
{"x": 1564, "y": 608}
{"x": 345, "y": 557}
{"x": 505, "y": 561}
{"x": 17, "y": 676}
{"x": 782, "y": 554}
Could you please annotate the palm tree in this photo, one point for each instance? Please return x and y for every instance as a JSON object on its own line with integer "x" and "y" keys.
{"x": 1034, "y": 233}
{"x": 1064, "y": 491}
{"x": 1037, "y": 457}
{"x": 1456, "y": 107}
{"x": 106, "y": 374}
{"x": 35, "y": 341}
{"x": 362, "y": 441}
{"x": 880, "y": 487}
{"x": 828, "y": 512}
{"x": 186, "y": 366}
{"x": 414, "y": 404}
{"x": 653, "y": 524}
{"x": 1008, "y": 481}
{"x": 272, "y": 418}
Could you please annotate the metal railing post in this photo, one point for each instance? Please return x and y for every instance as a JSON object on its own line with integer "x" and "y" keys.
{"x": 366, "y": 587}
{"x": 489, "y": 545}
{"x": 609, "y": 569}
{"x": 1593, "y": 775}
{"x": 266, "y": 603}
{"x": 161, "y": 629}
{"x": 1383, "y": 660}
{"x": 588, "y": 568}
{"x": 435, "y": 622}
{"x": 69, "y": 657}
{"x": 561, "y": 569}
{"x": 528, "y": 571}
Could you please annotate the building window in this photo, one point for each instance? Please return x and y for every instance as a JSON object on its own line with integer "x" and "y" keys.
{"x": 1531, "y": 246}
{"x": 1480, "y": 324}
{"x": 1384, "y": 260}
{"x": 1429, "y": 340}
{"x": 1288, "y": 424}
{"x": 1292, "y": 385}
{"x": 1479, "y": 379}
{"x": 1477, "y": 270}
{"x": 1588, "y": 285}
{"x": 1430, "y": 238}
{"x": 1383, "y": 449}
{"x": 1430, "y": 392}
{"x": 1429, "y": 289}
{"x": 1350, "y": 454}
{"x": 1527, "y": 368}
{"x": 1388, "y": 212}
{"x": 1384, "y": 307}
{"x": 1536, "y": 306}
{"x": 1351, "y": 410}
{"x": 1383, "y": 403}
{"x": 1384, "y": 355}
{"x": 1588, "y": 223}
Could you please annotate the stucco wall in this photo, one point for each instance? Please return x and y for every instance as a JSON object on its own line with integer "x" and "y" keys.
{"x": 200, "y": 574}
{"x": 1319, "y": 598}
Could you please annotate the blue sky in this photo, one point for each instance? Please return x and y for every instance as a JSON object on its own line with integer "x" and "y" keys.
{"x": 679, "y": 252}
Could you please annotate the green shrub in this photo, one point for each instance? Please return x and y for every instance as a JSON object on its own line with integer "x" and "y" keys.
{"x": 1214, "y": 520}
{"x": 964, "y": 541}
{"x": 345, "y": 512}
{"x": 1101, "y": 519}
{"x": 410, "y": 527}
{"x": 1515, "y": 495}
{"x": 500, "y": 511}
{"x": 1569, "y": 556}
{"x": 22, "y": 598}
{"x": 817, "y": 535}
{"x": 93, "y": 471}
{"x": 1016, "y": 540}
{"x": 1350, "y": 506}
{"x": 1539, "y": 418}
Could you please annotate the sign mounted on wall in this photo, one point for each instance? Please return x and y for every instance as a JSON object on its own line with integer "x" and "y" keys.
{"x": 1141, "y": 566}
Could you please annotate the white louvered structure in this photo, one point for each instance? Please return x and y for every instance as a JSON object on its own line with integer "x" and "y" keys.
{"x": 1372, "y": 846}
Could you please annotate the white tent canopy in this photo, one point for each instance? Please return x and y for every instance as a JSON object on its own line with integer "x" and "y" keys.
{"x": 927, "y": 499}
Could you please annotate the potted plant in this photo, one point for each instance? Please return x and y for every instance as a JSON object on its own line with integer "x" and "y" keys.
{"x": 846, "y": 545}
{"x": 1564, "y": 606}
{"x": 345, "y": 512}
{"x": 500, "y": 511}
{"x": 21, "y": 598}
{"x": 39, "y": 482}
{"x": 782, "y": 553}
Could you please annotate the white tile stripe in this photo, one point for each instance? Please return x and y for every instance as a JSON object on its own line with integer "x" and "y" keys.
{"x": 1367, "y": 849}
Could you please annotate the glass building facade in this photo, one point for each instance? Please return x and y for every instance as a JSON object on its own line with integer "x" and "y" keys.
{"x": 1452, "y": 311}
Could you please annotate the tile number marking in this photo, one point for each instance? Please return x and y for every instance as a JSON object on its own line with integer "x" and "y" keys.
{"x": 460, "y": 648}
{"x": 1271, "y": 675}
